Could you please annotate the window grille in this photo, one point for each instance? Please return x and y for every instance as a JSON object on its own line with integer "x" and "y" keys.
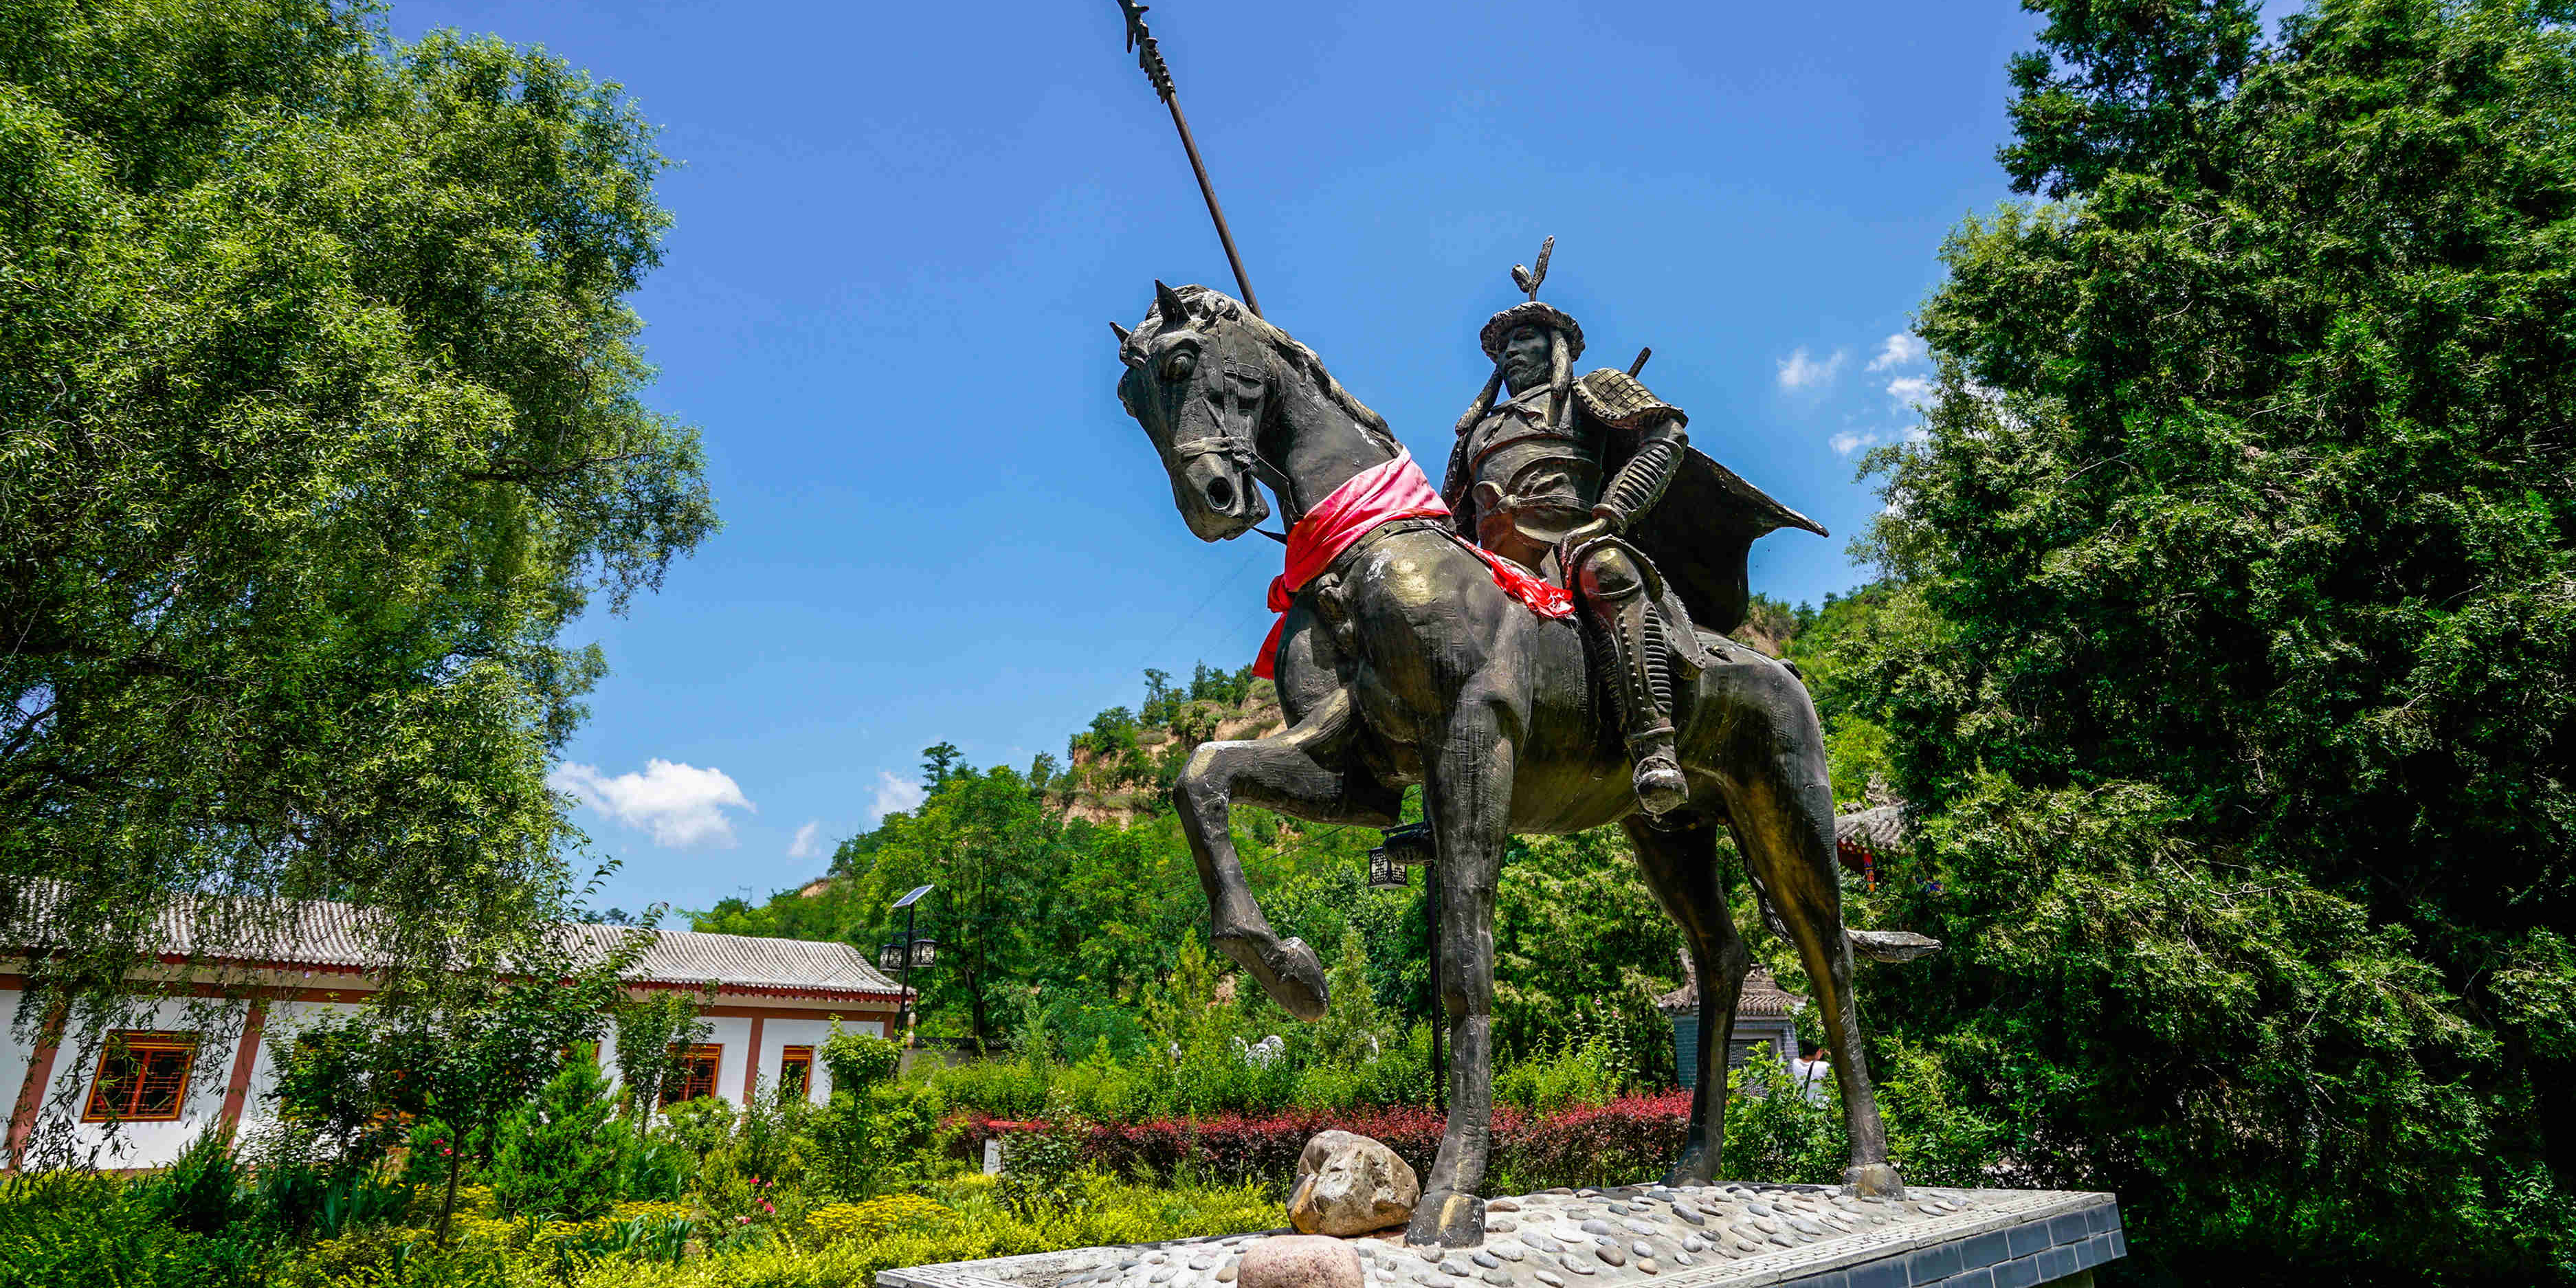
{"x": 142, "y": 1077}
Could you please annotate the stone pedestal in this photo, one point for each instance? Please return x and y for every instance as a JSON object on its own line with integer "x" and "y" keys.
{"x": 1721, "y": 1236}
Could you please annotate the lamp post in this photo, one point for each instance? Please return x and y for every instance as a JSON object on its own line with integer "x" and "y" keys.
{"x": 900, "y": 956}
{"x": 1410, "y": 846}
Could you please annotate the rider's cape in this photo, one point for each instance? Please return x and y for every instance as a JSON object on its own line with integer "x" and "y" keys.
{"x": 1701, "y": 533}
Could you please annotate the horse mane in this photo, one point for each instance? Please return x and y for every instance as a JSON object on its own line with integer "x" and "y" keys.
{"x": 1211, "y": 304}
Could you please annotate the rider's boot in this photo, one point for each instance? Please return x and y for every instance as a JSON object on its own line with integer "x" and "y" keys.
{"x": 1615, "y": 595}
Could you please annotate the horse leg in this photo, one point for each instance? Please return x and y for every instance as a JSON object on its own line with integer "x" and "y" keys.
{"x": 1299, "y": 771}
{"x": 1680, "y": 866}
{"x": 1782, "y": 808}
{"x": 1467, "y": 792}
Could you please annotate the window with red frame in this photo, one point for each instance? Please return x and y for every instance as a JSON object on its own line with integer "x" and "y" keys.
{"x": 693, "y": 1072}
{"x": 795, "y": 1072}
{"x": 142, "y": 1077}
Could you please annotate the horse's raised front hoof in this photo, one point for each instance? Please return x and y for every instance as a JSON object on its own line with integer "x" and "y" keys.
{"x": 1875, "y": 1181}
{"x": 1289, "y": 972}
{"x": 1446, "y": 1219}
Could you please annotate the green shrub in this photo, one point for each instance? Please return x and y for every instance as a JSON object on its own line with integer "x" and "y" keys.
{"x": 1576, "y": 1074}
{"x": 560, "y": 1155}
{"x": 200, "y": 1191}
{"x": 858, "y": 1060}
{"x": 871, "y": 1139}
{"x": 80, "y": 1230}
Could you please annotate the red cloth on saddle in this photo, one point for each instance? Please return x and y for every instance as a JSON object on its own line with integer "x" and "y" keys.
{"x": 1374, "y": 497}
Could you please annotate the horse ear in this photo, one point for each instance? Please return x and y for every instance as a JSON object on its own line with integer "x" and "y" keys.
{"x": 1121, "y": 332}
{"x": 1168, "y": 303}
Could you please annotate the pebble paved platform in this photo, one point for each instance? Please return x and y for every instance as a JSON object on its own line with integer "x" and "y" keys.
{"x": 1721, "y": 1236}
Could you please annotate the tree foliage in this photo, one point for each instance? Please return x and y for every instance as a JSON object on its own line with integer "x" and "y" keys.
{"x": 2234, "y": 648}
{"x": 324, "y": 416}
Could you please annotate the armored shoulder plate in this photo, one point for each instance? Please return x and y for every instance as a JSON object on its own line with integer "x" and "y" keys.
{"x": 1615, "y": 398}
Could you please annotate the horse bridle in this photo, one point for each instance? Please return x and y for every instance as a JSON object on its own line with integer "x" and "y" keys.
{"x": 1244, "y": 456}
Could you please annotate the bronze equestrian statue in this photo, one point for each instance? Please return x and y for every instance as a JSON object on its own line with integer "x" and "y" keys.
{"x": 1407, "y": 654}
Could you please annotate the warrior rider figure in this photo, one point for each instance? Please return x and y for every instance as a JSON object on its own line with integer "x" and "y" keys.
{"x": 1554, "y": 479}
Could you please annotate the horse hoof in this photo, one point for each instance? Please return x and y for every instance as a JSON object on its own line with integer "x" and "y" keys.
{"x": 1446, "y": 1219}
{"x": 1288, "y": 971}
{"x": 1874, "y": 1181}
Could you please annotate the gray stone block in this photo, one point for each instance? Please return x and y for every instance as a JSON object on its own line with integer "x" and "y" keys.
{"x": 1977, "y": 1278}
{"x": 2102, "y": 1218}
{"x": 1887, "y": 1272}
{"x": 2023, "y": 1240}
{"x": 2119, "y": 1243}
{"x": 1983, "y": 1250}
{"x": 2093, "y": 1252}
{"x": 2056, "y": 1263}
{"x": 1927, "y": 1266}
{"x": 1829, "y": 1279}
{"x": 2070, "y": 1228}
{"x": 2021, "y": 1273}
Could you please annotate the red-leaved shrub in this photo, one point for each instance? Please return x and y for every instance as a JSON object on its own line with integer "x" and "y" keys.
{"x": 1631, "y": 1139}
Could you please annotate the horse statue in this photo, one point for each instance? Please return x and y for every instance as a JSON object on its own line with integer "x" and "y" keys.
{"x": 1406, "y": 661}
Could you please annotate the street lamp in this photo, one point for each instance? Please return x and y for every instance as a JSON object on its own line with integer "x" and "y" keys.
{"x": 900, "y": 956}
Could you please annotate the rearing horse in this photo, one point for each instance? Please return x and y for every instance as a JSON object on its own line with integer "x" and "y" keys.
{"x": 1405, "y": 662}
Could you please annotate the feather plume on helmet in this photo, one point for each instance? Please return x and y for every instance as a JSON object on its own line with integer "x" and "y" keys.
{"x": 1565, "y": 344}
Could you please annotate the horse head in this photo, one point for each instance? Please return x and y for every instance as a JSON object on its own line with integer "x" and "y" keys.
{"x": 1201, "y": 382}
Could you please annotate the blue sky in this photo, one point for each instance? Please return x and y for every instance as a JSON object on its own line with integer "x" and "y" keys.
{"x": 902, "y": 229}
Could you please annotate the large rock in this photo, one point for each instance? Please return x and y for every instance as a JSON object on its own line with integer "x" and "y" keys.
{"x": 1348, "y": 1184}
{"x": 1299, "y": 1261}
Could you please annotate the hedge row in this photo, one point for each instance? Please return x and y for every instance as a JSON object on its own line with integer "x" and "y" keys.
{"x": 1630, "y": 1139}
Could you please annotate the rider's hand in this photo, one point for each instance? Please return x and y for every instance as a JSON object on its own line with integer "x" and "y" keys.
{"x": 1586, "y": 531}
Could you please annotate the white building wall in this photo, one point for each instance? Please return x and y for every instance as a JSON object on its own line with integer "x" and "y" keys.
{"x": 776, "y": 1036}
{"x": 734, "y": 1035}
{"x": 14, "y": 1054}
{"x": 157, "y": 1144}
{"x": 144, "y": 1144}
{"x": 285, "y": 1019}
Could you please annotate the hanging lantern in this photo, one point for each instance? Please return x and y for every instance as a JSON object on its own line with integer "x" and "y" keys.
{"x": 1385, "y": 873}
{"x": 925, "y": 951}
{"x": 890, "y": 957}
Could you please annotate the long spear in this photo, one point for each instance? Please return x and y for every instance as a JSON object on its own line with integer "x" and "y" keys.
{"x": 1150, "y": 59}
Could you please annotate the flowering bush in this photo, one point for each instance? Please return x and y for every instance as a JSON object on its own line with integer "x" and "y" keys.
{"x": 879, "y": 1218}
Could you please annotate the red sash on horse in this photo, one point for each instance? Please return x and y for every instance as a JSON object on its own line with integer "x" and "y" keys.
{"x": 1374, "y": 497}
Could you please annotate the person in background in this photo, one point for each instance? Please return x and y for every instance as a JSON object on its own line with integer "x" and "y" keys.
{"x": 1811, "y": 1071}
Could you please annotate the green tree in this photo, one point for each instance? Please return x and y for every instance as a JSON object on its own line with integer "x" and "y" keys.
{"x": 648, "y": 1028}
{"x": 560, "y": 1155}
{"x": 324, "y": 418}
{"x": 1580, "y": 946}
{"x": 2235, "y": 646}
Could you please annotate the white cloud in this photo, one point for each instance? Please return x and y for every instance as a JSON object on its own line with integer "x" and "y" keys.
{"x": 1848, "y": 442}
{"x": 1800, "y": 371}
{"x": 808, "y": 842}
{"x": 1905, "y": 391}
{"x": 894, "y": 794}
{"x": 681, "y": 805}
{"x": 1899, "y": 350}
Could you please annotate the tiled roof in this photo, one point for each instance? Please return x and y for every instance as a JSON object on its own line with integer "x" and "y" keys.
{"x": 750, "y": 962}
{"x": 321, "y": 935}
{"x": 1871, "y": 829}
{"x": 1762, "y": 995}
